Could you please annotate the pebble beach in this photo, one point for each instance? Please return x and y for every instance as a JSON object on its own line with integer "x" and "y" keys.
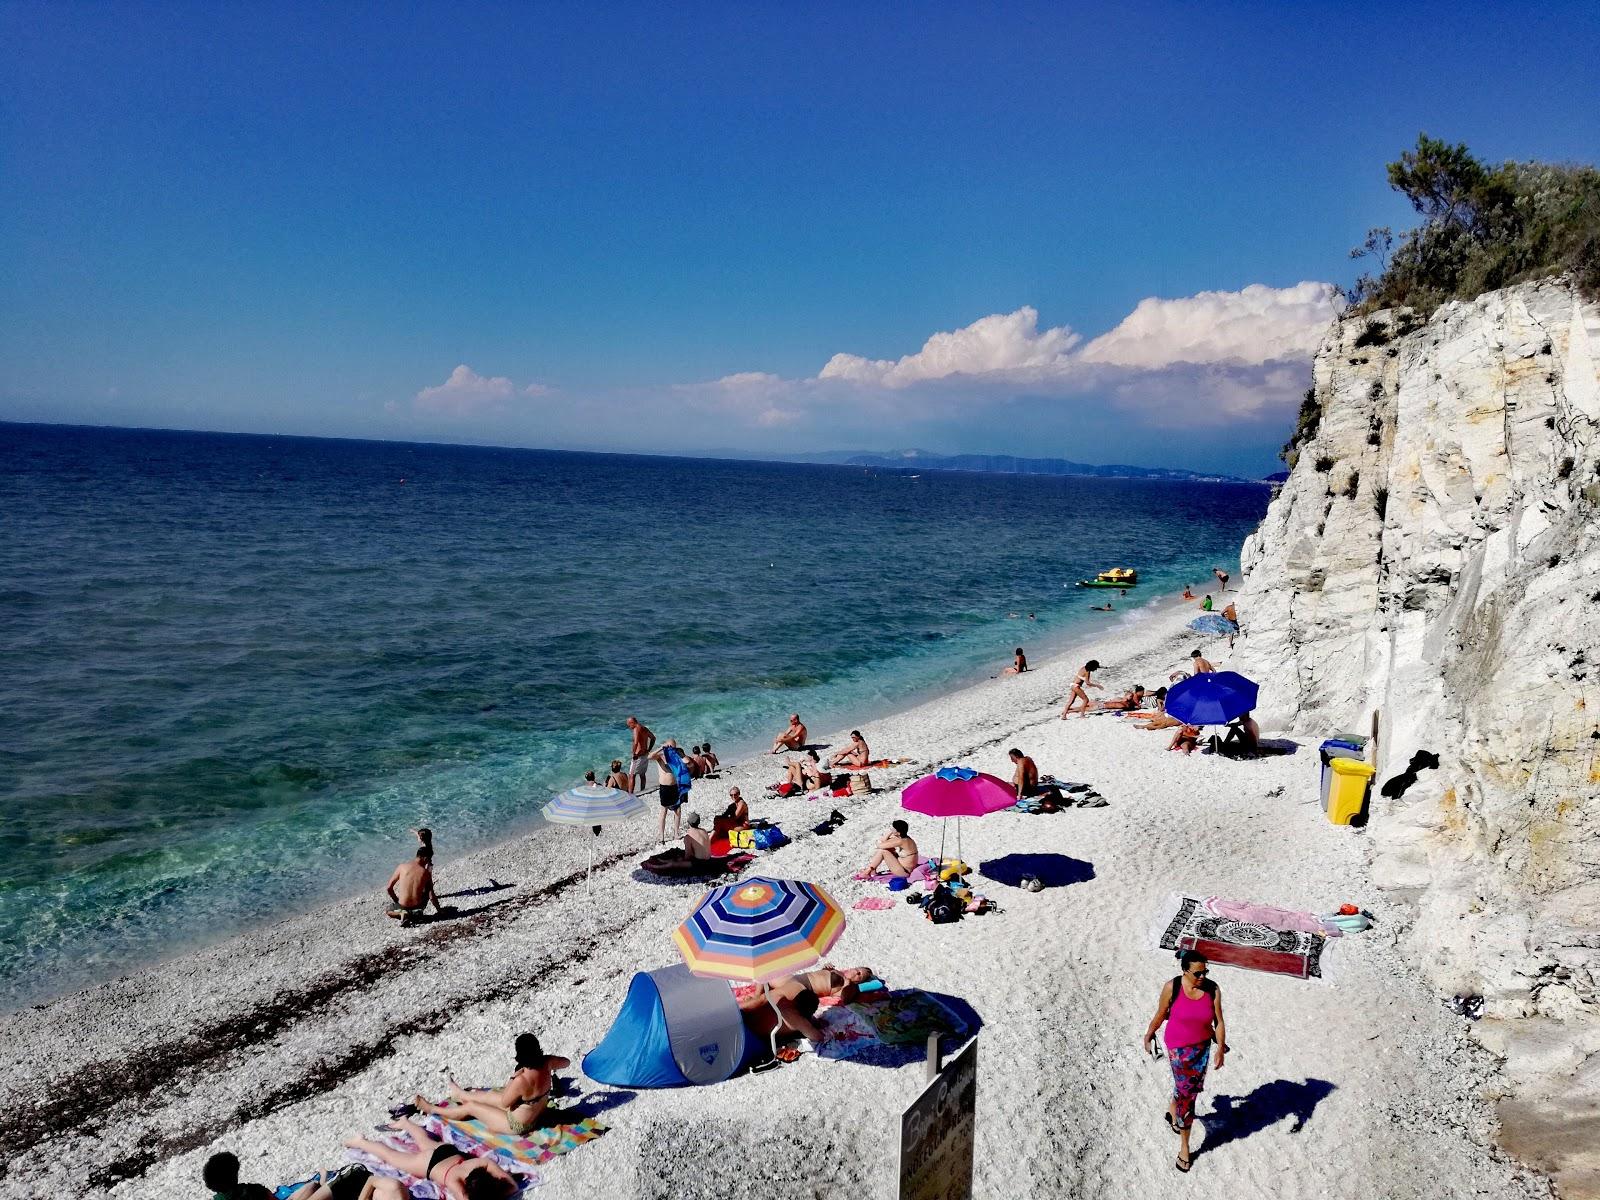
{"x": 280, "y": 1043}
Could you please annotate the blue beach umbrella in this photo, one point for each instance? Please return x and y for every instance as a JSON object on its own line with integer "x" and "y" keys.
{"x": 1211, "y": 698}
{"x": 592, "y": 804}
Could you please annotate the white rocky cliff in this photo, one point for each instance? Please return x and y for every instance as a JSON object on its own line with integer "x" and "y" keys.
{"x": 1435, "y": 558}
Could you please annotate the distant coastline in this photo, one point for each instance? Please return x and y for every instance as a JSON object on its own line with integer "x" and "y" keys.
{"x": 906, "y": 460}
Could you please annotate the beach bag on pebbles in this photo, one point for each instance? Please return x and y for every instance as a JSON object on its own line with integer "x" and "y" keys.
{"x": 769, "y": 838}
{"x": 942, "y": 906}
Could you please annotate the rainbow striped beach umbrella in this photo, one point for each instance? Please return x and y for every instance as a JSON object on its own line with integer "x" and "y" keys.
{"x": 759, "y": 930}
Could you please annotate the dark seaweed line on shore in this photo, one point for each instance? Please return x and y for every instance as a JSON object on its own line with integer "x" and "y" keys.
{"x": 105, "y": 1087}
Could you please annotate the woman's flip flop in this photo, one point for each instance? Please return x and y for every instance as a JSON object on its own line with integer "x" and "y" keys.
{"x": 1183, "y": 1164}
{"x": 1171, "y": 1124}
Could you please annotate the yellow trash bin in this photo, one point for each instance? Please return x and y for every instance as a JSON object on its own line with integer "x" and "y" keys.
{"x": 1347, "y": 791}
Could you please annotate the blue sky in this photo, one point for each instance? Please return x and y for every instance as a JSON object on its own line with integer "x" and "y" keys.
{"x": 652, "y": 227}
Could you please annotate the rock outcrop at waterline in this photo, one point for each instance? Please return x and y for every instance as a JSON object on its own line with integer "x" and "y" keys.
{"x": 1434, "y": 557}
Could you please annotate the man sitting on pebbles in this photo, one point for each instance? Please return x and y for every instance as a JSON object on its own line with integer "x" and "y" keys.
{"x": 411, "y": 888}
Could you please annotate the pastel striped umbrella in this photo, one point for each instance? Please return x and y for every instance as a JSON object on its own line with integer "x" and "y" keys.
{"x": 591, "y": 804}
{"x": 759, "y": 930}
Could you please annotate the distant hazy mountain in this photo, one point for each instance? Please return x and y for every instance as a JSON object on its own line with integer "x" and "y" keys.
{"x": 1007, "y": 464}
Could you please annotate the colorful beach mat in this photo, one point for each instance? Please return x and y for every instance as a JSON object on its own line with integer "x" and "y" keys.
{"x": 1187, "y": 924}
{"x": 521, "y": 1156}
{"x": 896, "y": 1026}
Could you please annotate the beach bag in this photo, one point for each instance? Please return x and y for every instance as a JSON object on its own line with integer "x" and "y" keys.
{"x": 943, "y": 907}
{"x": 769, "y": 838}
{"x": 679, "y": 768}
{"x": 741, "y": 839}
{"x": 860, "y": 784}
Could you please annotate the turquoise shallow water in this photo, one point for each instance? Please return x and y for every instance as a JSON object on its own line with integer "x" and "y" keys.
{"x": 236, "y": 669}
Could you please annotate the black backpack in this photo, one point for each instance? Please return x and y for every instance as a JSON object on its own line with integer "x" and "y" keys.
{"x": 942, "y": 906}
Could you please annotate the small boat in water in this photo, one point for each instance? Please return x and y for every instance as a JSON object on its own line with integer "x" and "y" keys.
{"x": 1116, "y": 577}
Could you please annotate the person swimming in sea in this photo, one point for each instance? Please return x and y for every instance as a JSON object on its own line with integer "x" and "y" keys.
{"x": 1106, "y": 607}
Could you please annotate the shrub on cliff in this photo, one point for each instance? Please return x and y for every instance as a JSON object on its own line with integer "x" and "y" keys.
{"x": 1482, "y": 228}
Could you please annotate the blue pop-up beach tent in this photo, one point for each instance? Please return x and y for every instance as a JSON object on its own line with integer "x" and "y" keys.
{"x": 675, "y": 1030}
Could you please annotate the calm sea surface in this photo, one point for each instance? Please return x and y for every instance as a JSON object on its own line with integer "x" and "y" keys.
{"x": 235, "y": 670}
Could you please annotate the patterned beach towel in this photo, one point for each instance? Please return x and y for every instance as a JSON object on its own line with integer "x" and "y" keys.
{"x": 1185, "y": 923}
{"x": 895, "y": 1027}
{"x": 520, "y": 1156}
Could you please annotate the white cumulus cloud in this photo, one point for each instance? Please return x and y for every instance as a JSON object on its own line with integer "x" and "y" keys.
{"x": 1255, "y": 325}
{"x": 466, "y": 392}
{"x": 1001, "y": 344}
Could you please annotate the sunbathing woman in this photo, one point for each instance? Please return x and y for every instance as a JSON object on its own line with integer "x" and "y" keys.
{"x": 1019, "y": 663}
{"x": 1128, "y": 702}
{"x": 1186, "y": 739}
{"x": 828, "y": 980}
{"x": 856, "y": 754}
{"x": 515, "y": 1108}
{"x": 441, "y": 1164}
{"x": 897, "y": 852}
{"x": 735, "y": 816}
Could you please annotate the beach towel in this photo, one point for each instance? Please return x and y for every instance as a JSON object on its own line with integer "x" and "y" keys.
{"x": 895, "y": 1027}
{"x": 873, "y": 903}
{"x": 519, "y": 1155}
{"x": 1184, "y": 923}
{"x": 918, "y": 873}
{"x": 1250, "y": 913}
{"x": 681, "y": 774}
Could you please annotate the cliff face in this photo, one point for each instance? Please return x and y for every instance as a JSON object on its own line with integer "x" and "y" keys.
{"x": 1434, "y": 557}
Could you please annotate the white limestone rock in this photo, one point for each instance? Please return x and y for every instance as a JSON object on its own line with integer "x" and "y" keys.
{"x": 1434, "y": 557}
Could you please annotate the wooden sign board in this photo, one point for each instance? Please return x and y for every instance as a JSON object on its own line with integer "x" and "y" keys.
{"x": 938, "y": 1133}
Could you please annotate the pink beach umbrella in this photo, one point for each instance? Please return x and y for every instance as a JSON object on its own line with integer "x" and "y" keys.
{"x": 957, "y": 792}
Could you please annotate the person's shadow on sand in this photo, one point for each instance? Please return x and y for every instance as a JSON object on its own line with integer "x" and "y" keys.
{"x": 1052, "y": 870}
{"x": 1233, "y": 1119}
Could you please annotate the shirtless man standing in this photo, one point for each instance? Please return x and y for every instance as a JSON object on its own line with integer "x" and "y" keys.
{"x": 1222, "y": 578}
{"x": 1081, "y": 681}
{"x": 1199, "y": 664}
{"x": 897, "y": 852}
{"x": 855, "y": 754}
{"x": 643, "y": 742}
{"x": 792, "y": 738}
{"x": 411, "y": 888}
{"x": 672, "y": 794}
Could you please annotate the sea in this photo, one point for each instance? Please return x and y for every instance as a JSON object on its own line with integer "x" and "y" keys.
{"x": 235, "y": 671}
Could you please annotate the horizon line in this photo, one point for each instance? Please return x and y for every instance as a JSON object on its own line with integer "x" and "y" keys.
{"x": 756, "y": 457}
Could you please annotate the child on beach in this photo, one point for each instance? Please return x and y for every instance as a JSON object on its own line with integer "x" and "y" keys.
{"x": 1084, "y": 679}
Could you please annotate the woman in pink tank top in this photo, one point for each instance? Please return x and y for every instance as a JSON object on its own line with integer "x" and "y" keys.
{"x": 1191, "y": 1007}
